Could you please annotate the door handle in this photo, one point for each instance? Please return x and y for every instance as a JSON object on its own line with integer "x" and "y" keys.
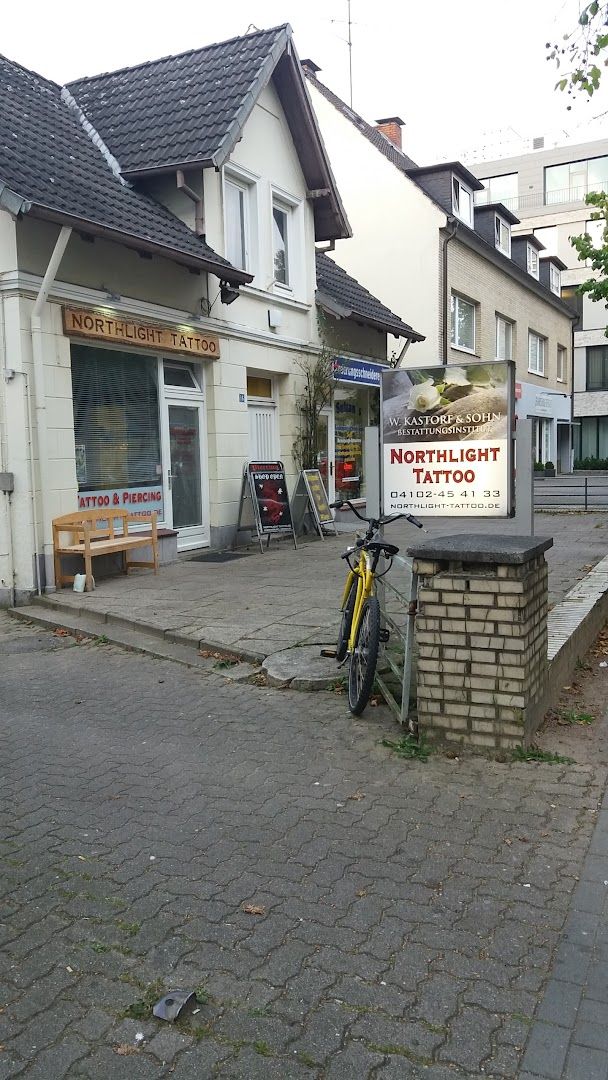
{"x": 331, "y": 468}
{"x": 169, "y": 478}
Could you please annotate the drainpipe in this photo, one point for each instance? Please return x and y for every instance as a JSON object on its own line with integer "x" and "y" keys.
{"x": 571, "y": 441}
{"x": 7, "y": 495}
{"x": 454, "y": 224}
{"x": 39, "y": 388}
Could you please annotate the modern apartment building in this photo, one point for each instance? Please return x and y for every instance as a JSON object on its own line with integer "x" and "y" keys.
{"x": 546, "y": 189}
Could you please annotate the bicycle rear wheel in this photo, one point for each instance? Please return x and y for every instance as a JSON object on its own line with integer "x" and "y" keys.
{"x": 364, "y": 657}
{"x": 346, "y": 623}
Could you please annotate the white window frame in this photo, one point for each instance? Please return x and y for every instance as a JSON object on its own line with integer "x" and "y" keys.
{"x": 246, "y": 183}
{"x": 292, "y": 208}
{"x": 456, "y": 300}
{"x": 503, "y": 242}
{"x": 562, "y": 353}
{"x": 457, "y": 189}
{"x": 555, "y": 279}
{"x": 508, "y": 337}
{"x": 541, "y": 352}
{"x": 532, "y": 260}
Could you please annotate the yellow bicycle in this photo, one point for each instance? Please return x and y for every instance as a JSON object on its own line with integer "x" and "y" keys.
{"x": 360, "y": 631}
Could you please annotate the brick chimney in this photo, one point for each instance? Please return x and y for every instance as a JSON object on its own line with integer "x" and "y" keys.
{"x": 391, "y": 127}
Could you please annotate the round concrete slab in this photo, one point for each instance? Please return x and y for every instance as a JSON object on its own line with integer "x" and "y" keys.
{"x": 302, "y": 668}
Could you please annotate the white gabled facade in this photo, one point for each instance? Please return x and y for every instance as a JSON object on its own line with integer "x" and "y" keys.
{"x": 110, "y": 412}
{"x": 396, "y": 245}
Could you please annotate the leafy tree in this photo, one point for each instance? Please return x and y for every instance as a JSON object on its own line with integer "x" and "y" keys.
{"x": 595, "y": 253}
{"x": 583, "y": 51}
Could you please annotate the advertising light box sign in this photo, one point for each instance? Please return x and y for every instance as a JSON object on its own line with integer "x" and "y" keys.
{"x": 446, "y": 434}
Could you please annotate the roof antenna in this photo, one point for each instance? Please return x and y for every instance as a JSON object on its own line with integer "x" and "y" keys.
{"x": 349, "y": 42}
{"x": 350, "y": 54}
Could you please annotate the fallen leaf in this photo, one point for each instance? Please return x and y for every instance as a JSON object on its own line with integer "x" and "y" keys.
{"x": 507, "y": 840}
{"x": 60, "y": 632}
{"x": 361, "y": 892}
{"x": 254, "y": 909}
{"x": 124, "y": 1049}
{"x": 356, "y": 796}
{"x": 523, "y": 839}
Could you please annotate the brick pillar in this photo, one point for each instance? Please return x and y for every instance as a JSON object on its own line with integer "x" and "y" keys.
{"x": 481, "y": 633}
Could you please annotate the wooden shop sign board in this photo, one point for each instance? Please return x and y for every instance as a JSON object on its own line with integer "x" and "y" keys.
{"x": 104, "y": 327}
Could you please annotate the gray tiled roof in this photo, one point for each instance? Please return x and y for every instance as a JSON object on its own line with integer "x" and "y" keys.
{"x": 349, "y": 299}
{"x": 380, "y": 141}
{"x": 179, "y": 108}
{"x": 50, "y": 160}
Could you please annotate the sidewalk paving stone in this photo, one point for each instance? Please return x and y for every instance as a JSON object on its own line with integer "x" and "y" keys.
{"x": 145, "y": 806}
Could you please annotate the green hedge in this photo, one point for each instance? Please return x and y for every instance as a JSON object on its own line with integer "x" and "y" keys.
{"x": 591, "y": 463}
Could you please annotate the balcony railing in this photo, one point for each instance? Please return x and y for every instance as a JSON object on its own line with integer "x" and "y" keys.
{"x": 548, "y": 198}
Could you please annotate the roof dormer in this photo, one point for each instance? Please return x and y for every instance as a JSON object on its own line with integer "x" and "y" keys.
{"x": 550, "y": 273}
{"x": 451, "y": 186}
{"x": 525, "y": 250}
{"x": 493, "y": 222}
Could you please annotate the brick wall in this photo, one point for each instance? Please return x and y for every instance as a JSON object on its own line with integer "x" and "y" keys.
{"x": 478, "y": 280}
{"x": 481, "y": 633}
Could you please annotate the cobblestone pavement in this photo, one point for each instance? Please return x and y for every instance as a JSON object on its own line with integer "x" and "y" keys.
{"x": 407, "y": 913}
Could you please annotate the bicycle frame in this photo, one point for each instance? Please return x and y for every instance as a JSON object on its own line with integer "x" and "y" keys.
{"x": 365, "y": 588}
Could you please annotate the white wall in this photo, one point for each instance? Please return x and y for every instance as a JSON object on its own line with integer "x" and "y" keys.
{"x": 394, "y": 250}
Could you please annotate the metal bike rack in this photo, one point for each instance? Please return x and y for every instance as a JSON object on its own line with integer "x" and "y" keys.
{"x": 397, "y": 595}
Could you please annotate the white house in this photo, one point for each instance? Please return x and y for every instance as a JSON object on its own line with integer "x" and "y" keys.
{"x": 426, "y": 248}
{"x": 157, "y": 289}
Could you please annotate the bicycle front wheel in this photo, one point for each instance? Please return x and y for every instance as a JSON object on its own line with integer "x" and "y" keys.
{"x": 364, "y": 657}
{"x": 346, "y": 623}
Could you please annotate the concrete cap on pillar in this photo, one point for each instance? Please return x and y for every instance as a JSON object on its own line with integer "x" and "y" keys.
{"x": 482, "y": 548}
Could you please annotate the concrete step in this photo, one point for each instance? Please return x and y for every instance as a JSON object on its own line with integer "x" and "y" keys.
{"x": 94, "y": 626}
{"x": 104, "y": 622}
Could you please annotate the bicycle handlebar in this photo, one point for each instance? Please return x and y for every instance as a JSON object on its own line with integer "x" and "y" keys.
{"x": 376, "y": 522}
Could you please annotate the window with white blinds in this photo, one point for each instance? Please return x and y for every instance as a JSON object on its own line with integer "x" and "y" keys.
{"x": 116, "y": 420}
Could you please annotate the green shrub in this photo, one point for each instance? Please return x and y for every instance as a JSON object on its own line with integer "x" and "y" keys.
{"x": 589, "y": 463}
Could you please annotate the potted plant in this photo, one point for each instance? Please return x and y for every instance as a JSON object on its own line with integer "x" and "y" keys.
{"x": 539, "y": 470}
{"x": 549, "y": 468}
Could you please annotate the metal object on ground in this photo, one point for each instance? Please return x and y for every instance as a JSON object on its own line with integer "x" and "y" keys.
{"x": 170, "y": 1006}
{"x": 397, "y": 594}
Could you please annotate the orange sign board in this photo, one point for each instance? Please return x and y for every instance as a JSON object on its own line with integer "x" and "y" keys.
{"x": 101, "y": 326}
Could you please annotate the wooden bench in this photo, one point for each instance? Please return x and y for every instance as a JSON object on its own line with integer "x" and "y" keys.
{"x": 101, "y": 532}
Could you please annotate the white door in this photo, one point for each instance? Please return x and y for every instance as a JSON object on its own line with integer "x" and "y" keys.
{"x": 186, "y": 487}
{"x": 262, "y": 432}
{"x": 326, "y": 452}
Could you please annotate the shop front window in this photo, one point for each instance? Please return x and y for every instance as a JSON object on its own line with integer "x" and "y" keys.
{"x": 351, "y": 417}
{"x": 116, "y": 426}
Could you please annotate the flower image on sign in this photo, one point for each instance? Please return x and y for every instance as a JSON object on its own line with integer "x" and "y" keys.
{"x": 446, "y": 434}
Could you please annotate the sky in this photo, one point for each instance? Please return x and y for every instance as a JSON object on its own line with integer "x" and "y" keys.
{"x": 465, "y": 77}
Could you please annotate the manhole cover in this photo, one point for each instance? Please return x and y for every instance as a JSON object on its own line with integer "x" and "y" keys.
{"x": 218, "y": 556}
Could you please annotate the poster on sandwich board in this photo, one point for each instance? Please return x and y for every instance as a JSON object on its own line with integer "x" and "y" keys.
{"x": 447, "y": 440}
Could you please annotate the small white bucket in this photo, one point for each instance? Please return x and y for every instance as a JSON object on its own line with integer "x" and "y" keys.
{"x": 80, "y": 581}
